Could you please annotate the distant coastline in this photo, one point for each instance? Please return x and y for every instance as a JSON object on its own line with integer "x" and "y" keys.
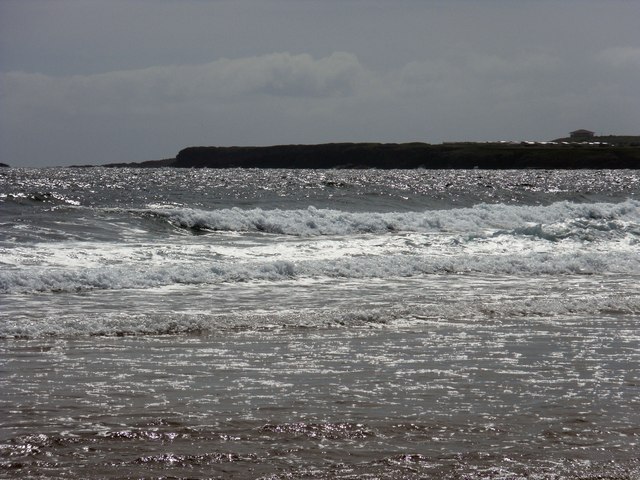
{"x": 599, "y": 153}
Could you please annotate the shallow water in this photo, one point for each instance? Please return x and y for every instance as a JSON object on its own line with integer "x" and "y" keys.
{"x": 507, "y": 398}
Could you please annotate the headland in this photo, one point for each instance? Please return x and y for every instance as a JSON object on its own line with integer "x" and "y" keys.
{"x": 612, "y": 153}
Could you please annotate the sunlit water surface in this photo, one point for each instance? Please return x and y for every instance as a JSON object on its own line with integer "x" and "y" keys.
{"x": 319, "y": 324}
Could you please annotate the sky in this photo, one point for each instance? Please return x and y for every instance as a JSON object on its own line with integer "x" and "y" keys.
{"x": 100, "y": 81}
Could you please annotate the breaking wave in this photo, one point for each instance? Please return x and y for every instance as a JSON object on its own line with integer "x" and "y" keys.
{"x": 41, "y": 279}
{"x": 550, "y": 222}
{"x": 462, "y": 310}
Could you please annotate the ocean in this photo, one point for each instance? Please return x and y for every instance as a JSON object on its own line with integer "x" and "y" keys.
{"x": 319, "y": 324}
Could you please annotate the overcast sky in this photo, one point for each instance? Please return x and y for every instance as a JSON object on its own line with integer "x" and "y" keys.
{"x": 97, "y": 81}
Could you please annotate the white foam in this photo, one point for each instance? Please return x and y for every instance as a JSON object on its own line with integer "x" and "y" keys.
{"x": 562, "y": 238}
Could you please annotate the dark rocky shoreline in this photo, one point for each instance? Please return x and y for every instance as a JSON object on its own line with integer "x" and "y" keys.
{"x": 555, "y": 155}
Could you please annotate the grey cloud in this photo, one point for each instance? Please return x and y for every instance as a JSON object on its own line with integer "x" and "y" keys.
{"x": 621, "y": 57}
{"x": 170, "y": 106}
{"x": 299, "y": 75}
{"x": 279, "y": 74}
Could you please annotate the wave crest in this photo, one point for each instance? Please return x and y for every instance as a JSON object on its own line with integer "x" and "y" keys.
{"x": 484, "y": 217}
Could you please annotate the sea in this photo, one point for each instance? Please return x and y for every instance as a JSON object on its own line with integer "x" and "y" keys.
{"x": 319, "y": 324}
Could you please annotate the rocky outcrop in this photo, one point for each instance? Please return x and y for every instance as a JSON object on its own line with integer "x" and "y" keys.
{"x": 412, "y": 155}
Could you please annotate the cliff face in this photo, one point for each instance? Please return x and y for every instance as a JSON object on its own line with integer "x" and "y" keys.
{"x": 411, "y": 155}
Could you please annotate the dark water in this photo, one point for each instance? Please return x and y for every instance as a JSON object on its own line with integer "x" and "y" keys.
{"x": 319, "y": 324}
